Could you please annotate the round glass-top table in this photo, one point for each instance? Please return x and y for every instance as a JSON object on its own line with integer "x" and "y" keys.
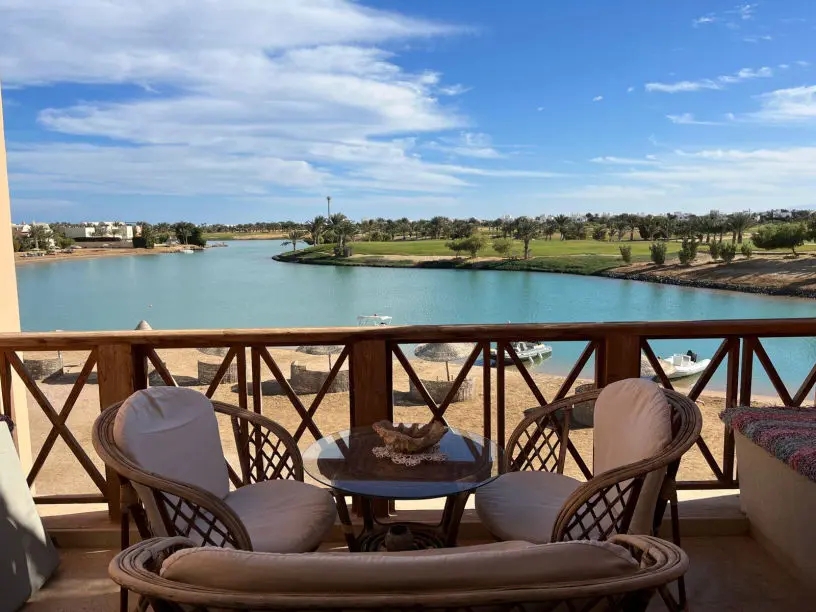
{"x": 345, "y": 461}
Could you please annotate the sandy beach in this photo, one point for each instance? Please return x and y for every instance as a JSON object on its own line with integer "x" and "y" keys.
{"x": 92, "y": 253}
{"x": 62, "y": 473}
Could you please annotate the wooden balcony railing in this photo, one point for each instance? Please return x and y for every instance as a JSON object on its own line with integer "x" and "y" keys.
{"x": 122, "y": 361}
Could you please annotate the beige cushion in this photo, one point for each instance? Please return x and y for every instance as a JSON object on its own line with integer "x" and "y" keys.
{"x": 173, "y": 432}
{"x": 284, "y": 515}
{"x": 632, "y": 423}
{"x": 524, "y": 505}
{"x": 490, "y": 567}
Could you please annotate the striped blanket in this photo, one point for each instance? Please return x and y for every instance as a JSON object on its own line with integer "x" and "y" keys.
{"x": 789, "y": 434}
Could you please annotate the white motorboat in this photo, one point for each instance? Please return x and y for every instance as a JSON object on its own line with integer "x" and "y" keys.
{"x": 526, "y": 351}
{"x": 682, "y": 365}
{"x": 375, "y": 319}
{"x": 186, "y": 251}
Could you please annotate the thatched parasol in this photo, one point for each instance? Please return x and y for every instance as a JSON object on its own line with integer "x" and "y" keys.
{"x": 444, "y": 351}
{"x": 143, "y": 326}
{"x": 321, "y": 349}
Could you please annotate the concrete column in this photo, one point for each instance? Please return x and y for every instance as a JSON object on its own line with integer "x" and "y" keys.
{"x": 9, "y": 305}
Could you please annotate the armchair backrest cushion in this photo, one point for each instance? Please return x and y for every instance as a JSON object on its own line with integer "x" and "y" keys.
{"x": 489, "y": 566}
{"x": 173, "y": 432}
{"x": 632, "y": 423}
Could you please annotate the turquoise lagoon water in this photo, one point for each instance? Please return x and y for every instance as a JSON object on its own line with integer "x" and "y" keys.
{"x": 241, "y": 286}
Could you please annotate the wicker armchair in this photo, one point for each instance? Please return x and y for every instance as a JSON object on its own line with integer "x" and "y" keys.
{"x": 174, "y": 578}
{"x": 270, "y": 507}
{"x": 551, "y": 507}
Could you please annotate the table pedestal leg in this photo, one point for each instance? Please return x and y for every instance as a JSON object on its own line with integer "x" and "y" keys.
{"x": 345, "y": 522}
{"x": 452, "y": 517}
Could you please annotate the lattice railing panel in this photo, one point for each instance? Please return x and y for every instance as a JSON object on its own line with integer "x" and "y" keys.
{"x": 713, "y": 453}
{"x": 448, "y": 390}
{"x": 63, "y": 402}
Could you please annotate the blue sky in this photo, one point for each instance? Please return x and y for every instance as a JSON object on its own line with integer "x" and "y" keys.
{"x": 245, "y": 110}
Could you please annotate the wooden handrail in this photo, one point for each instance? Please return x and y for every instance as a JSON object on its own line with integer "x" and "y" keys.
{"x": 44, "y": 341}
{"x": 122, "y": 362}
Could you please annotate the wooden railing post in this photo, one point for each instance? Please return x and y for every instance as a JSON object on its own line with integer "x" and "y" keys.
{"x": 115, "y": 372}
{"x": 620, "y": 358}
{"x": 370, "y": 391}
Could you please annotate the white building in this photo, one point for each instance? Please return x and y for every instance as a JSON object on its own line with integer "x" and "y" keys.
{"x": 114, "y": 231}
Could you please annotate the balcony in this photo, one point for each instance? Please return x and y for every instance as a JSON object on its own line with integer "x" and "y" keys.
{"x": 80, "y": 502}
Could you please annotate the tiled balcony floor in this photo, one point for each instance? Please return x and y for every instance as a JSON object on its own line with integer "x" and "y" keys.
{"x": 728, "y": 574}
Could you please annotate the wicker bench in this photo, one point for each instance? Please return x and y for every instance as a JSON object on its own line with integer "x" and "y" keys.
{"x": 621, "y": 574}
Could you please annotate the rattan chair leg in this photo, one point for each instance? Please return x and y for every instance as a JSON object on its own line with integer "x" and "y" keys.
{"x": 675, "y": 521}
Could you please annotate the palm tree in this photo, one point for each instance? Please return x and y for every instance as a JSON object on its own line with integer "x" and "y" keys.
{"x": 549, "y": 228}
{"x": 316, "y": 227}
{"x": 562, "y": 222}
{"x": 526, "y": 230}
{"x": 40, "y": 234}
{"x": 620, "y": 226}
{"x": 739, "y": 222}
{"x": 294, "y": 237}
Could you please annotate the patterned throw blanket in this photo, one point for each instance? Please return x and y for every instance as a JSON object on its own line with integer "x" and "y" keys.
{"x": 789, "y": 434}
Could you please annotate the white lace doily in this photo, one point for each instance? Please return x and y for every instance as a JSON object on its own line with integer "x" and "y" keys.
{"x": 433, "y": 454}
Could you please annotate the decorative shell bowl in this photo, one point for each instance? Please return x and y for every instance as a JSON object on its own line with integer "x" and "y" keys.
{"x": 410, "y": 438}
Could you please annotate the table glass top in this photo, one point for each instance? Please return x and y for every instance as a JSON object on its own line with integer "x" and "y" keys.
{"x": 345, "y": 462}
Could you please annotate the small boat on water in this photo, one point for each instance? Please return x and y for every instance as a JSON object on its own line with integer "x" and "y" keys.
{"x": 679, "y": 365}
{"x": 375, "y": 319}
{"x": 683, "y": 365}
{"x": 186, "y": 251}
{"x": 526, "y": 351}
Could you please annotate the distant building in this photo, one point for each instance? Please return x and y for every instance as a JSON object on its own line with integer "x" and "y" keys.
{"x": 88, "y": 231}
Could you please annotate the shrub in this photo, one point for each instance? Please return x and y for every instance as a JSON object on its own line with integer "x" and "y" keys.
{"x": 626, "y": 253}
{"x": 457, "y": 246}
{"x": 474, "y": 243}
{"x": 658, "y": 252}
{"x": 780, "y": 236}
{"x": 688, "y": 251}
{"x": 728, "y": 251}
{"x": 747, "y": 250}
{"x": 714, "y": 249}
{"x": 599, "y": 233}
{"x": 503, "y": 246}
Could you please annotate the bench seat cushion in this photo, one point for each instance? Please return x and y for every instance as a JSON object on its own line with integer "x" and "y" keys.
{"x": 491, "y": 566}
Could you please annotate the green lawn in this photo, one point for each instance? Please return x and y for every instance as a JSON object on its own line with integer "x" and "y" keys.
{"x": 573, "y": 264}
{"x": 538, "y": 248}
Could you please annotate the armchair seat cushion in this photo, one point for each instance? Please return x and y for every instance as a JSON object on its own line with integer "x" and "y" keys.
{"x": 524, "y": 505}
{"x": 284, "y": 516}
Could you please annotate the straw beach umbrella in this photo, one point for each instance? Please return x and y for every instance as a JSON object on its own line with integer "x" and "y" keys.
{"x": 325, "y": 349}
{"x": 444, "y": 351}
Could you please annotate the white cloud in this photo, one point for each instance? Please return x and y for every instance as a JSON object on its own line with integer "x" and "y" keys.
{"x": 624, "y": 161}
{"x": 744, "y": 11}
{"x": 266, "y": 96}
{"x": 467, "y": 144}
{"x": 794, "y": 105}
{"x": 540, "y": 108}
{"x": 697, "y": 181}
{"x": 729, "y": 18}
{"x": 729, "y": 79}
{"x": 682, "y": 86}
{"x": 630, "y": 89}
{"x": 803, "y": 63}
{"x": 597, "y": 98}
{"x": 688, "y": 119}
{"x": 705, "y": 19}
{"x": 784, "y": 66}
{"x": 757, "y": 38}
